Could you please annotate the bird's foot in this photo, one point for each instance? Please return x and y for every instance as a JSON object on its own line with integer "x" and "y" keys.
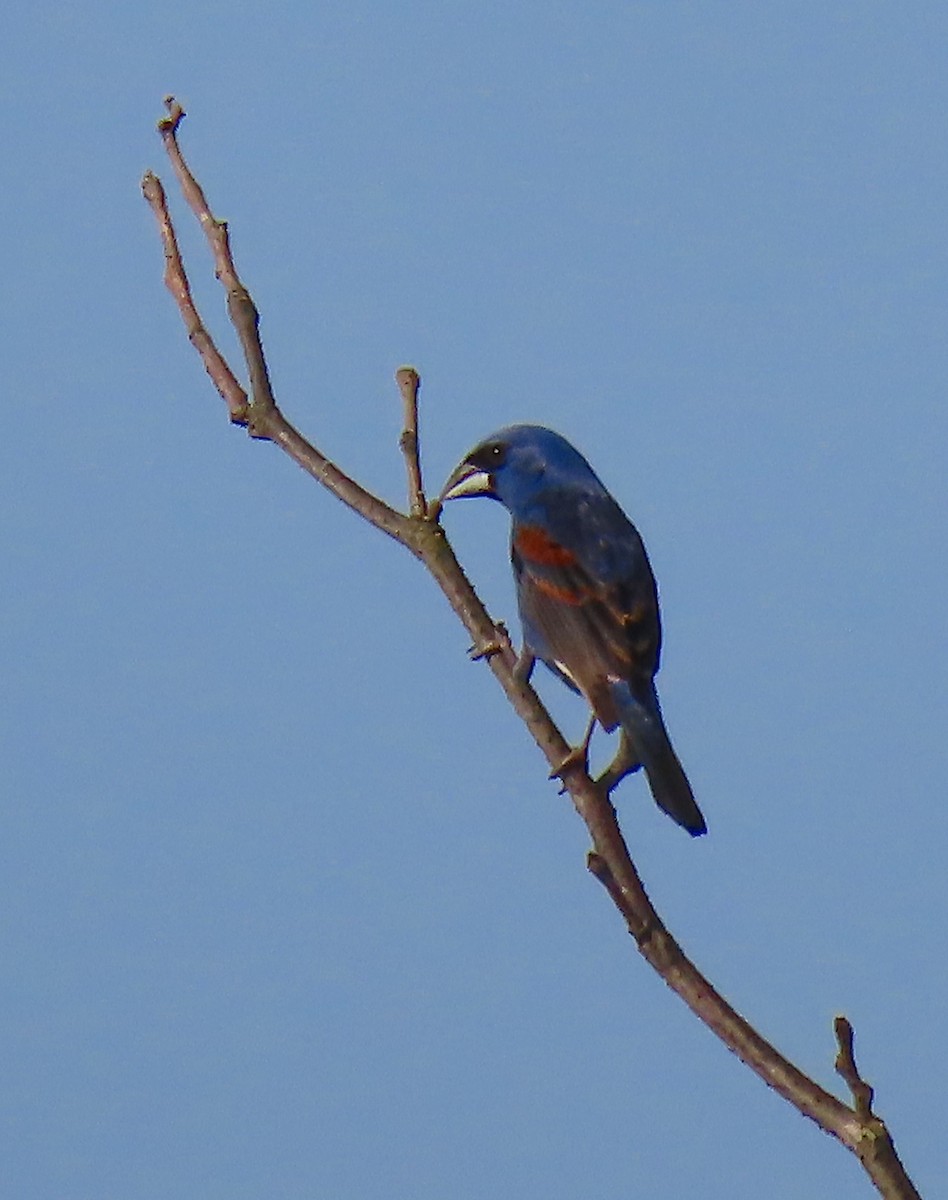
{"x": 626, "y": 762}
{"x": 577, "y": 757}
{"x": 499, "y": 644}
{"x": 523, "y": 667}
{"x": 617, "y": 770}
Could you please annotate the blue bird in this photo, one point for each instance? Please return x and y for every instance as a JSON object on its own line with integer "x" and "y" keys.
{"x": 587, "y": 598}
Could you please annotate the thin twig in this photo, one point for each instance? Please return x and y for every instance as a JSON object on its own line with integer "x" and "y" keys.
{"x": 858, "y": 1129}
{"x": 847, "y": 1069}
{"x": 176, "y": 281}
{"x": 240, "y": 306}
{"x": 408, "y": 383}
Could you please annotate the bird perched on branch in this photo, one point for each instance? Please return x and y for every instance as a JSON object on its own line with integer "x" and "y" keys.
{"x": 587, "y": 598}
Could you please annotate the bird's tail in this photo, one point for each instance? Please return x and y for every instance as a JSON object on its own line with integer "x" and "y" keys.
{"x": 641, "y": 719}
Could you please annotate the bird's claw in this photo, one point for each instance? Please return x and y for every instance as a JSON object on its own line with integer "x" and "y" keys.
{"x": 499, "y": 644}
{"x": 578, "y": 756}
{"x": 575, "y": 758}
{"x": 617, "y": 770}
{"x": 487, "y": 650}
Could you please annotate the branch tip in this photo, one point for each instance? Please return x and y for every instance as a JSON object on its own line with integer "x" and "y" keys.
{"x": 169, "y": 124}
{"x": 409, "y": 381}
{"x": 406, "y": 375}
{"x": 845, "y": 1065}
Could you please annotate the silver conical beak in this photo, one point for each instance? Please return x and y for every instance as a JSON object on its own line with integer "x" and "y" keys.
{"x": 466, "y": 480}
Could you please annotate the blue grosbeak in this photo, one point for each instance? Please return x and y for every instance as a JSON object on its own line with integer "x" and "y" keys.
{"x": 587, "y": 598}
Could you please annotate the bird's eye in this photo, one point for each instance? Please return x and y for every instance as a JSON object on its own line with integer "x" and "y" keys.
{"x": 489, "y": 457}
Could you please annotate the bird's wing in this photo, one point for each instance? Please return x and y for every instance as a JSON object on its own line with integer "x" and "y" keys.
{"x": 587, "y": 598}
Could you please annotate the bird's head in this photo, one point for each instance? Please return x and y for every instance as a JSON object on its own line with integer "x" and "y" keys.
{"x": 514, "y": 464}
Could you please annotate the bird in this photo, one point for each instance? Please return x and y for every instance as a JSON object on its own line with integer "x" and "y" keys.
{"x": 587, "y": 599}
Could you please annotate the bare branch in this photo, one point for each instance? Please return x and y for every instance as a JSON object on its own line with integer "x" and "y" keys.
{"x": 260, "y": 413}
{"x": 857, "y": 1128}
{"x": 177, "y": 283}
{"x": 240, "y": 306}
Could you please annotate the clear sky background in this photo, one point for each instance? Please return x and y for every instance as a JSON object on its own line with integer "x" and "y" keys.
{"x": 287, "y": 906}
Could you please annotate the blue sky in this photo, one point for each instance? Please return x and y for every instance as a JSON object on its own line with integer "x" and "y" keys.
{"x": 288, "y": 908}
